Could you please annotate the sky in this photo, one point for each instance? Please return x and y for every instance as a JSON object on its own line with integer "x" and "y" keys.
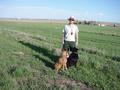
{"x": 95, "y": 10}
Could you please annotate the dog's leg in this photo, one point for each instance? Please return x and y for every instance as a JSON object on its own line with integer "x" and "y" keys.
{"x": 65, "y": 66}
{"x": 57, "y": 70}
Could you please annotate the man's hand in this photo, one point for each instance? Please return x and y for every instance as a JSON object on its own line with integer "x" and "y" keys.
{"x": 62, "y": 38}
{"x": 76, "y": 44}
{"x": 76, "y": 37}
{"x": 63, "y": 42}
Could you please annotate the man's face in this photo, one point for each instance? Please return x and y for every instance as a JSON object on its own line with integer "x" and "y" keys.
{"x": 71, "y": 21}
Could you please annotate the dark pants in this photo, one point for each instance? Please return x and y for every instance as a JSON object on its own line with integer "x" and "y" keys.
{"x": 68, "y": 45}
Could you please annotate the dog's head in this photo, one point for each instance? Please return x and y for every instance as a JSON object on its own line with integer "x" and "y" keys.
{"x": 64, "y": 53}
{"x": 74, "y": 50}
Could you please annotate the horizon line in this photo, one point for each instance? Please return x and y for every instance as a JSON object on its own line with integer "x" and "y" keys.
{"x": 18, "y": 18}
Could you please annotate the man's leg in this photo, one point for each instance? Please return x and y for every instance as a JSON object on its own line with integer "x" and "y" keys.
{"x": 66, "y": 45}
{"x": 72, "y": 45}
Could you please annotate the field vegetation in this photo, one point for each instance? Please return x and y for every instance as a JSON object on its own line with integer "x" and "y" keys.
{"x": 27, "y": 59}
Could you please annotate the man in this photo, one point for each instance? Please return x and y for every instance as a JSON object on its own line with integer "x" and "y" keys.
{"x": 70, "y": 34}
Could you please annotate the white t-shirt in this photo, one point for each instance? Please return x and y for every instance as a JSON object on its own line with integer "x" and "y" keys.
{"x": 70, "y": 32}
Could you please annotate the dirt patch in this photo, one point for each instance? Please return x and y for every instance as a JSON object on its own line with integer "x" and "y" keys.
{"x": 65, "y": 81}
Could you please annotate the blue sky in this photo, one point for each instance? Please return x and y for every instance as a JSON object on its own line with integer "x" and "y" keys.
{"x": 100, "y": 10}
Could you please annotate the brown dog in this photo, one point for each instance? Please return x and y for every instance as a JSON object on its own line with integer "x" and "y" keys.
{"x": 62, "y": 61}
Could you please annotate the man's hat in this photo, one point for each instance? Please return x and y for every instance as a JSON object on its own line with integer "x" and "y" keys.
{"x": 71, "y": 18}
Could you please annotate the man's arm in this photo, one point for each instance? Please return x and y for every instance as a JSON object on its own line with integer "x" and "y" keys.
{"x": 62, "y": 38}
{"x": 76, "y": 36}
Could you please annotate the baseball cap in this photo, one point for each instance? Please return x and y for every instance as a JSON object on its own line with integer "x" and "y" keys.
{"x": 71, "y": 18}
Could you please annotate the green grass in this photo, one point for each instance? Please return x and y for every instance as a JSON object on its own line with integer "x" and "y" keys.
{"x": 27, "y": 61}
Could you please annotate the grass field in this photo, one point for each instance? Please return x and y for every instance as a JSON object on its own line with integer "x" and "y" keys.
{"x": 27, "y": 59}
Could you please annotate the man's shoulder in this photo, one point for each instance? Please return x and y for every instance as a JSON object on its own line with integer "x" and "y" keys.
{"x": 75, "y": 25}
{"x": 76, "y": 28}
{"x": 66, "y": 25}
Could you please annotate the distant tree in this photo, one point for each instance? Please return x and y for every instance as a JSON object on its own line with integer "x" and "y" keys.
{"x": 114, "y": 25}
{"x": 79, "y": 22}
{"x": 86, "y": 22}
{"x": 76, "y": 22}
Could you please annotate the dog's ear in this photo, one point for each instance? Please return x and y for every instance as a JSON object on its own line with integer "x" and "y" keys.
{"x": 72, "y": 49}
{"x": 64, "y": 49}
